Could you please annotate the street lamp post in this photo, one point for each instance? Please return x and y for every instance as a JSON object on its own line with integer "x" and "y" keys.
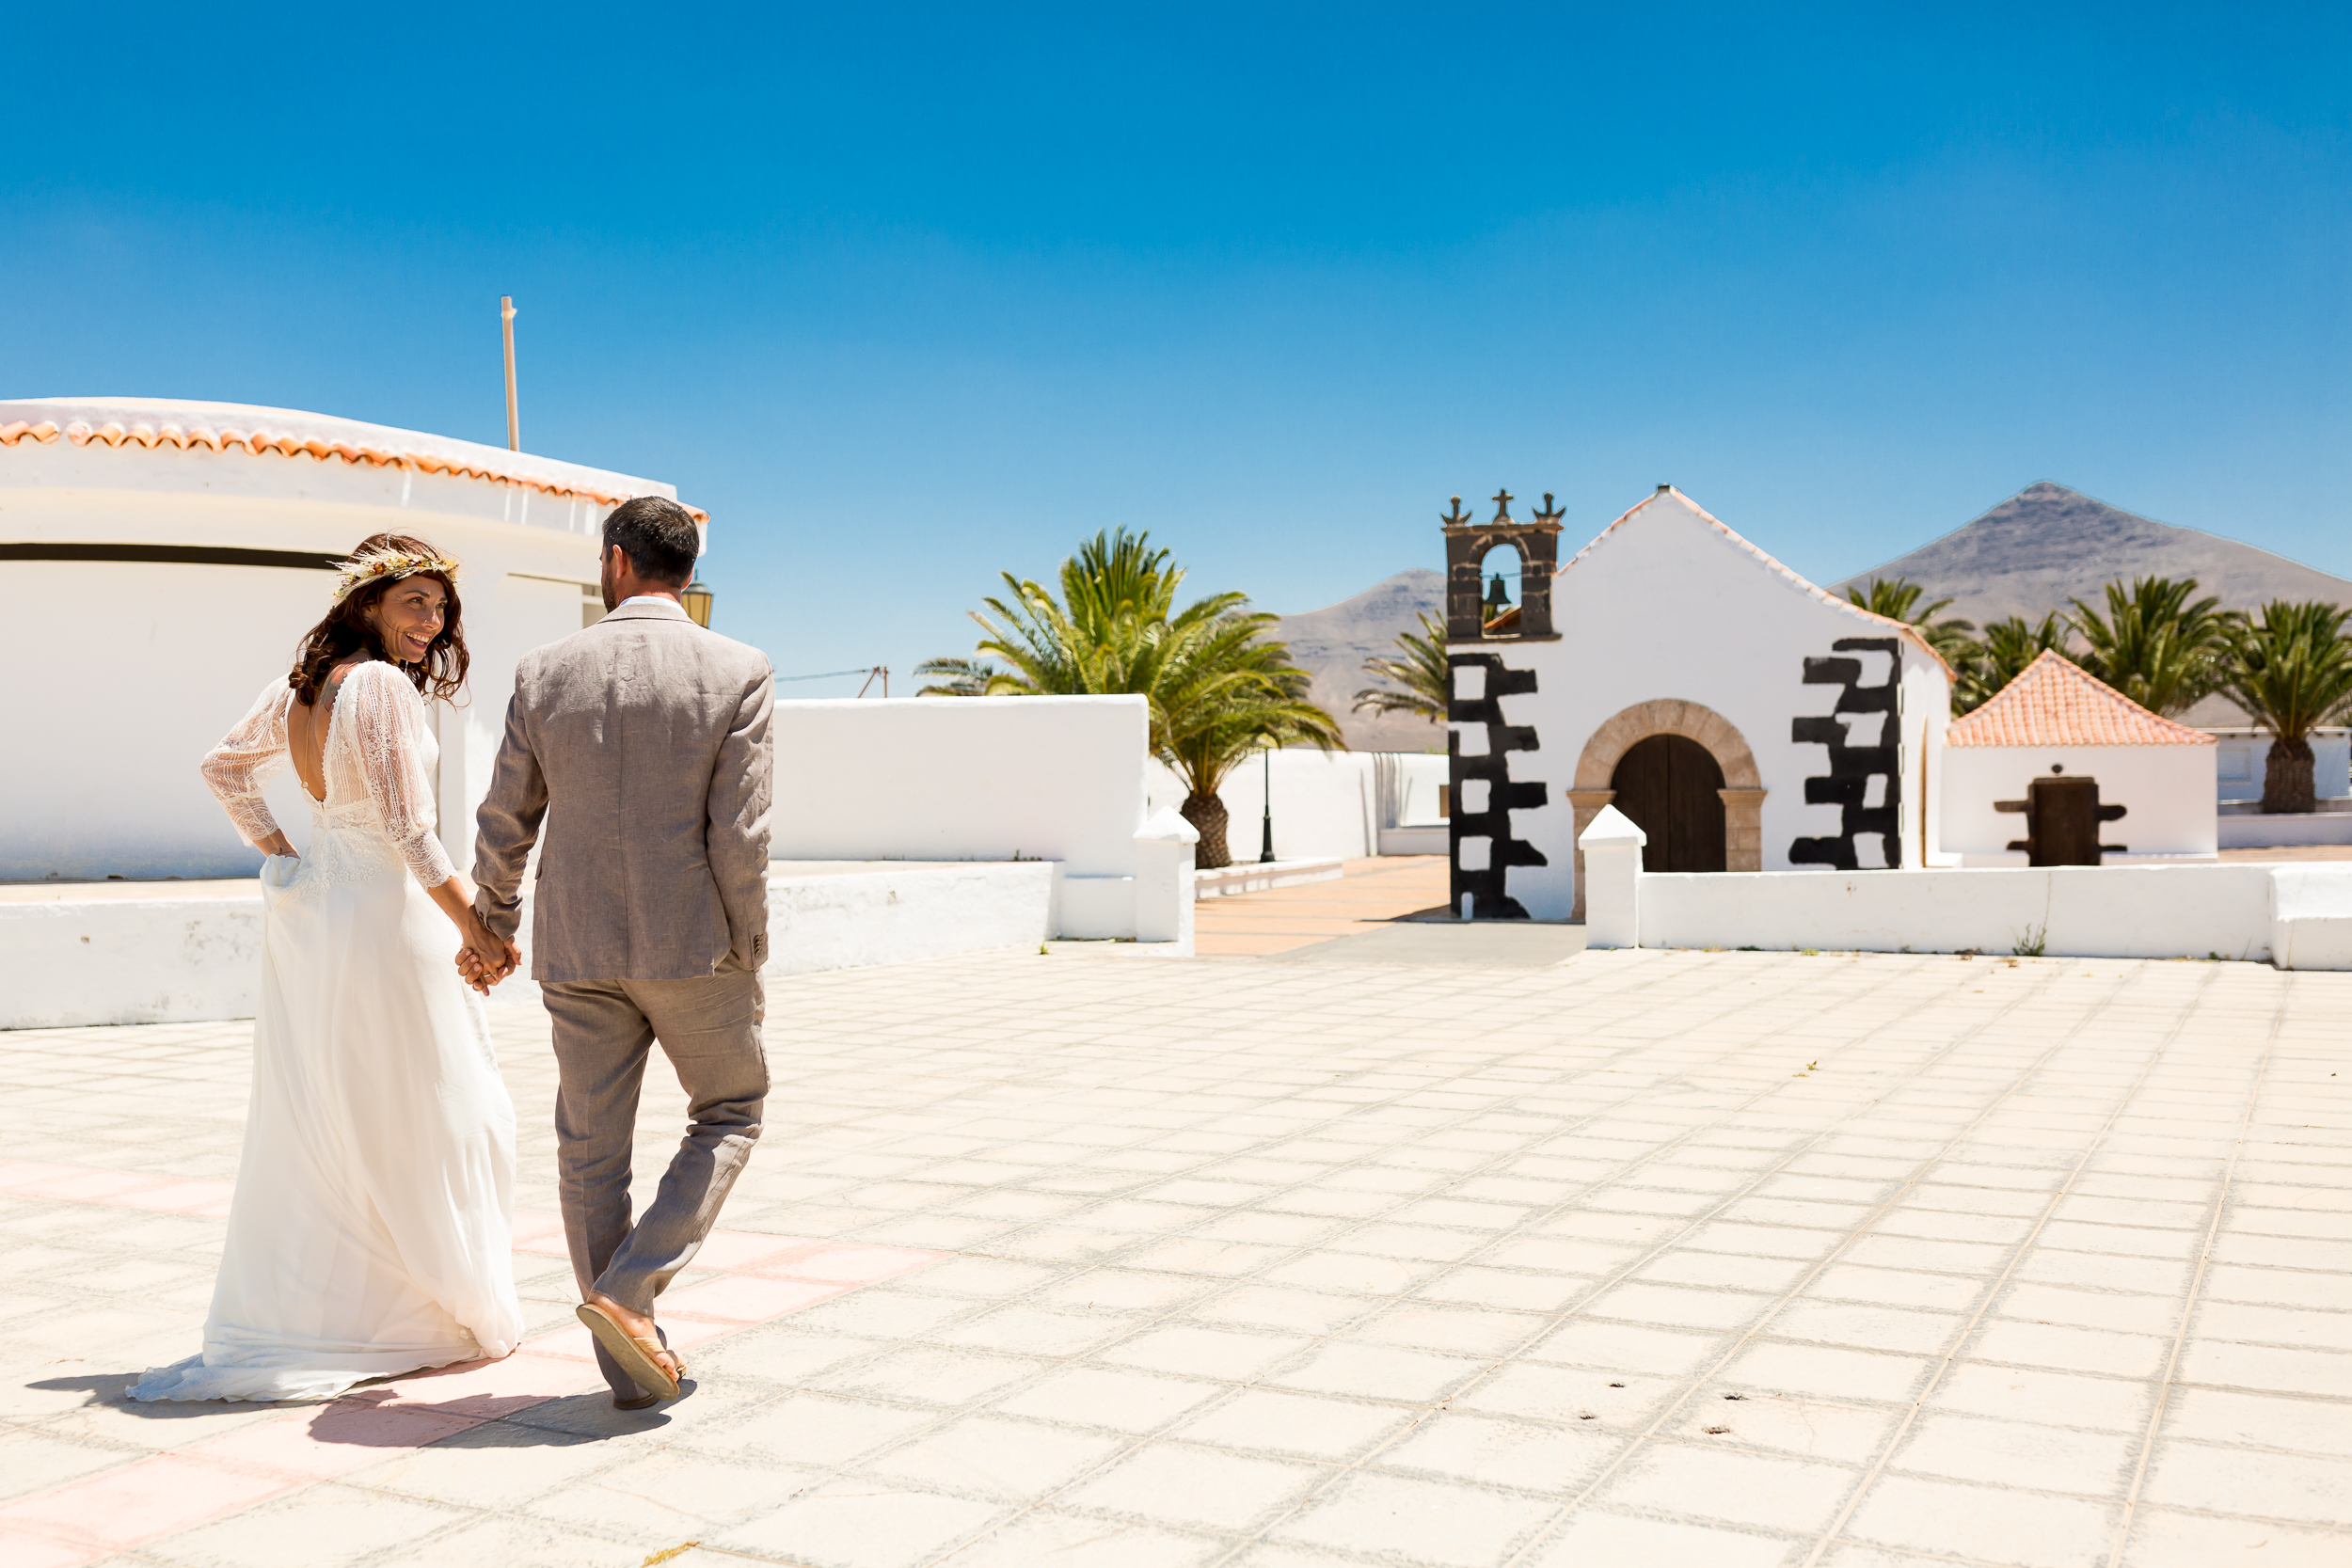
{"x": 696, "y": 597}
{"x": 1265, "y": 843}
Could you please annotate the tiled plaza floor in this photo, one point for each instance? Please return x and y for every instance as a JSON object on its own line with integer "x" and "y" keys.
{"x": 1723, "y": 1259}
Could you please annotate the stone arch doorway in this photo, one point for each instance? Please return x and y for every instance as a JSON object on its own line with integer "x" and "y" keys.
{"x": 1673, "y": 789}
{"x": 1741, "y": 791}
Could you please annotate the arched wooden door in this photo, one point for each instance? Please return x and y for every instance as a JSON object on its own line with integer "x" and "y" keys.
{"x": 1670, "y": 786}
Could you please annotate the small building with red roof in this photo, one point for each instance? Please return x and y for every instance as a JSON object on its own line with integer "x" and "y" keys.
{"x": 2057, "y": 718}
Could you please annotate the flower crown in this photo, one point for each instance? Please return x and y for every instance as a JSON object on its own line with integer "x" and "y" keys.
{"x": 388, "y": 565}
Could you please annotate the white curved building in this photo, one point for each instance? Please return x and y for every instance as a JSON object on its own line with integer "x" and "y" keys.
{"x": 160, "y": 559}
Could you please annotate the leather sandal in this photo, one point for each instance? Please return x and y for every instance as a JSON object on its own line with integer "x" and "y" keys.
{"x": 642, "y": 1359}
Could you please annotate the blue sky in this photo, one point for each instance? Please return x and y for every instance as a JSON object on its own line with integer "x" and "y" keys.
{"x": 905, "y": 297}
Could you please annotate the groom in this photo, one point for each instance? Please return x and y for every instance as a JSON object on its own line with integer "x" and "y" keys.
{"x": 643, "y": 743}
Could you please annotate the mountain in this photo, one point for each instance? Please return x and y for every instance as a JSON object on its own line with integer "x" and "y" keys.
{"x": 2046, "y": 544}
{"x": 1334, "y": 641}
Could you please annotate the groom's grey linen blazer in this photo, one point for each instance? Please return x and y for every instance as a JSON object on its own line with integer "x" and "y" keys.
{"x": 651, "y": 738}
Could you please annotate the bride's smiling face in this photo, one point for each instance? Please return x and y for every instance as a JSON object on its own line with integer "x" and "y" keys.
{"x": 409, "y": 616}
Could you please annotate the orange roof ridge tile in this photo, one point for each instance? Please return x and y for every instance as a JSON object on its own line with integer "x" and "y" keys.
{"x": 2056, "y": 702}
{"x": 151, "y": 422}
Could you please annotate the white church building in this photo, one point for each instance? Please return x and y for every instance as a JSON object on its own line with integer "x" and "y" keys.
{"x": 1746, "y": 718}
{"x": 161, "y": 559}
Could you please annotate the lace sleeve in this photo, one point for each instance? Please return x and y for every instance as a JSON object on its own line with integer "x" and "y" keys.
{"x": 240, "y": 766}
{"x": 387, "y": 720}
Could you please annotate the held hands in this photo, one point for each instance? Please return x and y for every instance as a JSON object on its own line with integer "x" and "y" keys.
{"x": 486, "y": 959}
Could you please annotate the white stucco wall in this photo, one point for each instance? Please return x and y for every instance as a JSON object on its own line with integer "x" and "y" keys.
{"x": 1325, "y": 803}
{"x": 973, "y": 778}
{"x": 2168, "y": 793}
{"x": 144, "y": 666}
{"x": 1667, "y": 606}
{"x": 2245, "y": 754}
{"x": 2294, "y": 916}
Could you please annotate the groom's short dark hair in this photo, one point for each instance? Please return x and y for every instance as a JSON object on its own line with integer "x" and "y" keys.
{"x": 659, "y": 537}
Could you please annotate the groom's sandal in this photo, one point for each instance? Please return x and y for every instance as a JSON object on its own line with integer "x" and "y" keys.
{"x": 642, "y": 1359}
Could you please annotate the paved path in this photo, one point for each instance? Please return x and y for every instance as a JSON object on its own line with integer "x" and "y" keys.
{"x": 1374, "y": 892}
{"x": 1650, "y": 1258}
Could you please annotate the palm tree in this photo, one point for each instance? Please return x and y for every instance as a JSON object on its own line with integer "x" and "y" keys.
{"x": 2291, "y": 669}
{"x": 2153, "y": 644}
{"x": 1898, "y": 600}
{"x": 957, "y": 677}
{"x": 1420, "y": 669}
{"x": 2001, "y": 654}
{"x": 1219, "y": 691}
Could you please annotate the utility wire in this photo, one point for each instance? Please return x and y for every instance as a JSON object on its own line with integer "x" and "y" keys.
{"x": 828, "y": 674}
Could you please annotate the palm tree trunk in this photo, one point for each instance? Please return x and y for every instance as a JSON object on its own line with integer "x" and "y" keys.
{"x": 2288, "y": 785}
{"x": 1207, "y": 814}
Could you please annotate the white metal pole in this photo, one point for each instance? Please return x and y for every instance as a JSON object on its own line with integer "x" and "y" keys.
{"x": 514, "y": 424}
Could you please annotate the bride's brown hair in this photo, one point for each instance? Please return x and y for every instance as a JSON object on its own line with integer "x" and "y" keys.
{"x": 347, "y": 629}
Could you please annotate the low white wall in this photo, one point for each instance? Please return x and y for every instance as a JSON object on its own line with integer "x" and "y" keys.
{"x": 1325, "y": 804}
{"x": 2280, "y": 831}
{"x": 124, "y": 960}
{"x": 819, "y": 923}
{"x": 2167, "y": 793}
{"x": 108, "y": 958}
{"x": 2245, "y": 752}
{"x": 2299, "y": 915}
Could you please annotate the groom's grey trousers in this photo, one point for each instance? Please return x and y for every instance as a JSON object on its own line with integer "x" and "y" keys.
{"x": 709, "y": 1029}
{"x": 643, "y": 745}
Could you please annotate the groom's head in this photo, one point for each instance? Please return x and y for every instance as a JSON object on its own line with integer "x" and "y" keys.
{"x": 650, "y": 546}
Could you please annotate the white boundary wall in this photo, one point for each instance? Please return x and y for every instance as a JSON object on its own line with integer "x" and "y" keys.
{"x": 1058, "y": 778}
{"x": 1325, "y": 804}
{"x": 112, "y": 959}
{"x": 2167, "y": 793}
{"x": 2245, "y": 753}
{"x": 2298, "y": 916}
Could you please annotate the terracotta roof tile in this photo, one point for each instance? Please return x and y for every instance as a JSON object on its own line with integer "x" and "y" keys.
{"x": 152, "y": 422}
{"x": 2055, "y": 701}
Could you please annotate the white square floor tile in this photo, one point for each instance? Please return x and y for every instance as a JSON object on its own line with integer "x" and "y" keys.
{"x": 1595, "y": 1537}
{"x": 1495, "y": 1452}
{"x": 1123, "y": 1402}
{"x": 1295, "y": 1424}
{"x": 862, "y": 1523}
{"x": 1184, "y": 1484}
{"x": 1826, "y": 1373}
{"x": 995, "y": 1456}
{"x": 2018, "y": 1453}
{"x": 2017, "y": 1530}
{"x": 2164, "y": 1538}
{"x": 2054, "y": 1399}
{"x": 2304, "y": 1488}
{"x": 1761, "y": 1489}
{"x": 1421, "y": 1521}
{"x": 1050, "y": 1538}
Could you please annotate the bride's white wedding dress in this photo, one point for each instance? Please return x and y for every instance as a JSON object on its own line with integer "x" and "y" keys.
{"x": 374, "y": 1203}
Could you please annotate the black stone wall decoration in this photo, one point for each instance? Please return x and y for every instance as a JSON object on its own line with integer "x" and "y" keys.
{"x": 1850, "y": 768}
{"x": 1488, "y": 901}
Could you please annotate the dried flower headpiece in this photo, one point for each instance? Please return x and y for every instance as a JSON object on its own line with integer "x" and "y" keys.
{"x": 388, "y": 565}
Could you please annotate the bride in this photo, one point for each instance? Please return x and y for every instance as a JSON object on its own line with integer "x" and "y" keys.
{"x": 375, "y": 1202}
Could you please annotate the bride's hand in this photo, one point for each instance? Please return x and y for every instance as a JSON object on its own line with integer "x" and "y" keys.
{"x": 278, "y": 843}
